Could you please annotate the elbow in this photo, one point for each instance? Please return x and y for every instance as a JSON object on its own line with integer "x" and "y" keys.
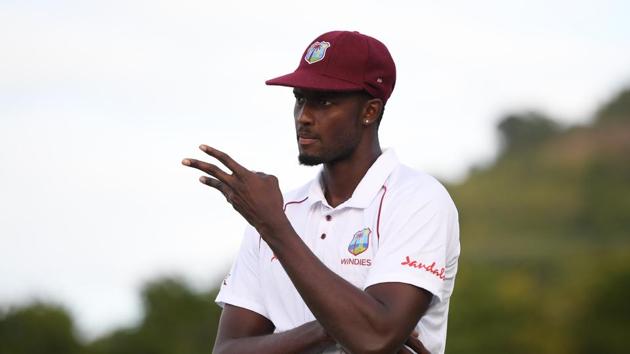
{"x": 220, "y": 347}
{"x": 217, "y": 350}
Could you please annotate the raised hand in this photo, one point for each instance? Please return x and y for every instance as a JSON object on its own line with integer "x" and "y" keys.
{"x": 255, "y": 195}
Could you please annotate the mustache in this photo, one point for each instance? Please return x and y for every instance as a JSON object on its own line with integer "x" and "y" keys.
{"x": 306, "y": 133}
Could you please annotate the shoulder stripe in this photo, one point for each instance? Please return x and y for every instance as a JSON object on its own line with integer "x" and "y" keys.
{"x": 294, "y": 202}
{"x": 283, "y": 209}
{"x": 378, "y": 219}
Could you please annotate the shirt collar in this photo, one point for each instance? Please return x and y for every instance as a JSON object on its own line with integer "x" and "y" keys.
{"x": 366, "y": 190}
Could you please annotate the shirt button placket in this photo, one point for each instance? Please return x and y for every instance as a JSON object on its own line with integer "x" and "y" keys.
{"x": 328, "y": 217}
{"x": 325, "y": 229}
{"x": 324, "y": 233}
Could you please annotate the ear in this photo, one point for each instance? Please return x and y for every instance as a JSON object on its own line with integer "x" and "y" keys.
{"x": 371, "y": 111}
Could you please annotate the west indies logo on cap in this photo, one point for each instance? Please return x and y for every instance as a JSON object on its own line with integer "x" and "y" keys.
{"x": 316, "y": 52}
{"x": 360, "y": 242}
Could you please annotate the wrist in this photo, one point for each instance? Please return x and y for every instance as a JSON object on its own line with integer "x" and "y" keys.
{"x": 275, "y": 228}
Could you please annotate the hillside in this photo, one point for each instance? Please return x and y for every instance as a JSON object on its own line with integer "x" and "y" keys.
{"x": 546, "y": 238}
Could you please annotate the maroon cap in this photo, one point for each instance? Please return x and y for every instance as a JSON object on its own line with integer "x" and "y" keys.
{"x": 344, "y": 61}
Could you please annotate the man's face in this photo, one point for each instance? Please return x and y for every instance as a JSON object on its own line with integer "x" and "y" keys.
{"x": 328, "y": 124}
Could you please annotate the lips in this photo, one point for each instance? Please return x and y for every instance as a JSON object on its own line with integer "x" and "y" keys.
{"x": 306, "y": 138}
{"x": 306, "y": 141}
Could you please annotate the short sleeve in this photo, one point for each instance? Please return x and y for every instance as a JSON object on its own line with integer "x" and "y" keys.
{"x": 241, "y": 287}
{"x": 418, "y": 245}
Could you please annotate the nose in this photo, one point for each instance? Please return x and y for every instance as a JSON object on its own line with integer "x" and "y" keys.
{"x": 303, "y": 114}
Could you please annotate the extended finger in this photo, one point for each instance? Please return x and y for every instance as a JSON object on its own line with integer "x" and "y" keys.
{"x": 225, "y": 159}
{"x": 218, "y": 185}
{"x": 208, "y": 168}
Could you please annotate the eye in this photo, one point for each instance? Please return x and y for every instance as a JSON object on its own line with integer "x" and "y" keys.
{"x": 325, "y": 102}
{"x": 299, "y": 100}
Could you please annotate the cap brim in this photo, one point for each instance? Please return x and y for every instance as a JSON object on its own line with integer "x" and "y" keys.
{"x": 313, "y": 81}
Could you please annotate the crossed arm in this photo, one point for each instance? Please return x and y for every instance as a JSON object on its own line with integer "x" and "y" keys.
{"x": 244, "y": 331}
{"x": 377, "y": 320}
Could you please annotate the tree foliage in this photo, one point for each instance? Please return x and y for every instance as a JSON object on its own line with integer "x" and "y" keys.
{"x": 37, "y": 329}
{"x": 177, "y": 321}
{"x": 522, "y": 131}
{"x": 617, "y": 110}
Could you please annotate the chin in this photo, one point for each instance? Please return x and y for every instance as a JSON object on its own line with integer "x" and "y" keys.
{"x": 308, "y": 160}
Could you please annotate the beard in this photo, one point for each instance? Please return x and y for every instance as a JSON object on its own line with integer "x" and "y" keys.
{"x": 307, "y": 160}
{"x": 336, "y": 154}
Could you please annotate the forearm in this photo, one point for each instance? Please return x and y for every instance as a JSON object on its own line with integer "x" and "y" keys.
{"x": 307, "y": 338}
{"x": 351, "y": 316}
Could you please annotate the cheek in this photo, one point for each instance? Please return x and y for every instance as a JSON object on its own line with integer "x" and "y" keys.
{"x": 352, "y": 126}
{"x": 347, "y": 134}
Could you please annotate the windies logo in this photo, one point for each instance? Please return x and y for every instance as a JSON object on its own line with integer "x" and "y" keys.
{"x": 316, "y": 52}
{"x": 360, "y": 242}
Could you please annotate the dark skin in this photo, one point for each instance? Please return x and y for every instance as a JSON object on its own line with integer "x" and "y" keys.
{"x": 340, "y": 131}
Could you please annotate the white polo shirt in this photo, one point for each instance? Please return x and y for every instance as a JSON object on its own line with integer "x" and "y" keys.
{"x": 400, "y": 225}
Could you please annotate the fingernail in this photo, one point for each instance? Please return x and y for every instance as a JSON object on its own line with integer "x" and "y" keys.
{"x": 203, "y": 179}
{"x": 186, "y": 162}
{"x": 203, "y": 147}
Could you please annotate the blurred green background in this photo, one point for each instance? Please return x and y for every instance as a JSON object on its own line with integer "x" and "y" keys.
{"x": 545, "y": 266}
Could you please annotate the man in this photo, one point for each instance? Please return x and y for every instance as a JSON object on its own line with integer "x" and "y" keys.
{"x": 363, "y": 258}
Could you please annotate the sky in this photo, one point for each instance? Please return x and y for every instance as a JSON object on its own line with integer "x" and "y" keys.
{"x": 100, "y": 101}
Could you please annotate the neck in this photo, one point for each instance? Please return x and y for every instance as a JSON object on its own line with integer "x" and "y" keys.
{"x": 340, "y": 178}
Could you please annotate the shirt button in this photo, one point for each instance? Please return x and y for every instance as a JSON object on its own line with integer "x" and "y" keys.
{"x": 323, "y": 236}
{"x": 328, "y": 217}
